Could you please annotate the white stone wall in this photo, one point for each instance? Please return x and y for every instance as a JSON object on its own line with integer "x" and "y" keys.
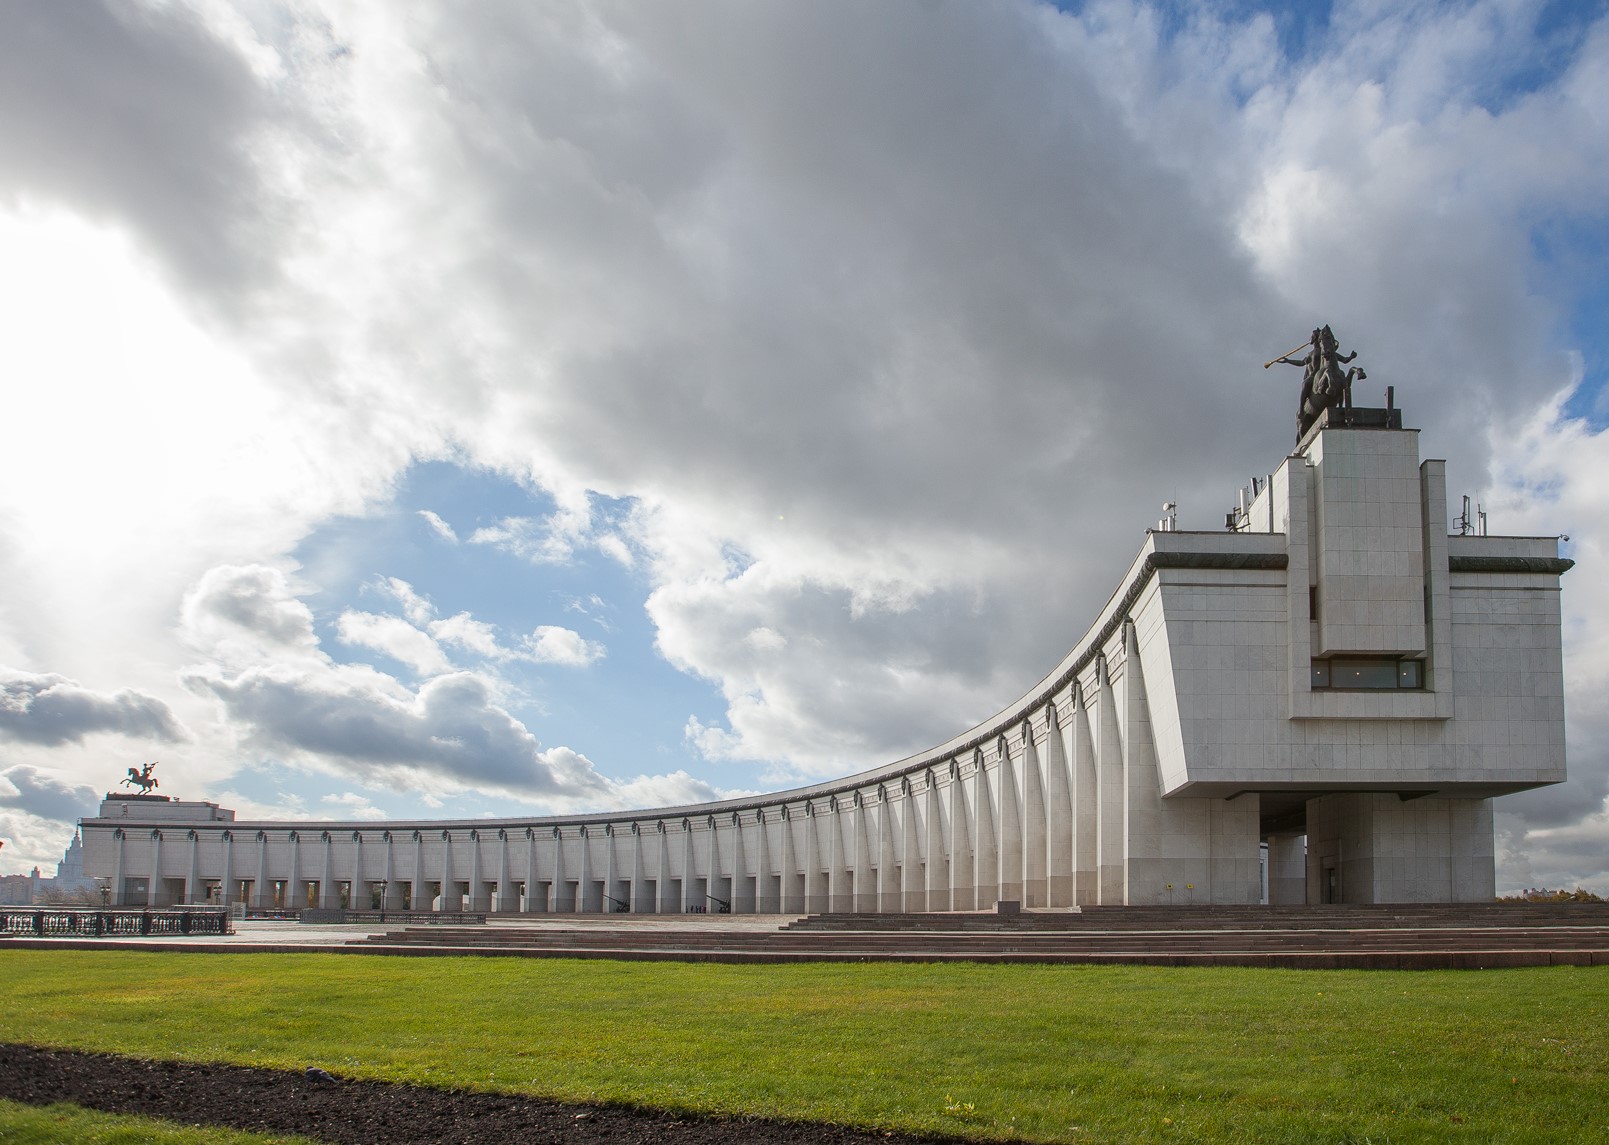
{"x": 1136, "y": 772}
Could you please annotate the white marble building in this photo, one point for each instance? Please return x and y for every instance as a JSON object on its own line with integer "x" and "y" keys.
{"x": 1317, "y": 704}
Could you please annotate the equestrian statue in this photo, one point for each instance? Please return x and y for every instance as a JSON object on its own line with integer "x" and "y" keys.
{"x": 143, "y": 779}
{"x": 1324, "y": 384}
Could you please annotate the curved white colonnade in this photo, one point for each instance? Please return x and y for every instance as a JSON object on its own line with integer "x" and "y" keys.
{"x": 1333, "y": 679}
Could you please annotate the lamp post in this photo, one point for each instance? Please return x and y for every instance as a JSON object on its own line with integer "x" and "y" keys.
{"x": 382, "y": 885}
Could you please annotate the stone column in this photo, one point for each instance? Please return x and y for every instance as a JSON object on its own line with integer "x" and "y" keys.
{"x": 152, "y": 895}
{"x": 262, "y": 892}
{"x": 742, "y": 901}
{"x": 611, "y": 872}
{"x": 1058, "y": 814}
{"x": 561, "y": 889}
{"x": 962, "y": 895}
{"x": 1011, "y": 840}
{"x": 789, "y": 901}
{"x": 865, "y": 886}
{"x": 688, "y": 873}
{"x": 640, "y": 899}
{"x": 418, "y": 890}
{"x": 888, "y": 897}
{"x": 390, "y": 893}
{"x": 326, "y": 879}
{"x": 1112, "y": 874}
{"x": 226, "y": 886}
{"x": 535, "y": 900}
{"x": 585, "y": 881}
{"x": 667, "y": 903}
{"x": 358, "y": 899}
{"x": 1086, "y": 806}
{"x": 812, "y": 900}
{"x": 192, "y": 872}
{"x": 913, "y": 890}
{"x": 507, "y": 899}
{"x": 764, "y": 902}
{"x": 1034, "y": 892}
{"x": 936, "y": 883}
{"x": 840, "y": 896}
{"x": 986, "y": 876}
{"x": 449, "y": 890}
{"x": 477, "y": 873}
{"x": 118, "y": 896}
{"x": 712, "y": 867}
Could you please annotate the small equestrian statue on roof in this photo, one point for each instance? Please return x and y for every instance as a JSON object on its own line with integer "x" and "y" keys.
{"x": 143, "y": 779}
{"x": 1324, "y": 384}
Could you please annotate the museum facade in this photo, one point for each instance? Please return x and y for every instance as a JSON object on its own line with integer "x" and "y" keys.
{"x": 1317, "y": 704}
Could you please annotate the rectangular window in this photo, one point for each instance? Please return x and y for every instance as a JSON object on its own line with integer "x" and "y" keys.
{"x": 1368, "y": 673}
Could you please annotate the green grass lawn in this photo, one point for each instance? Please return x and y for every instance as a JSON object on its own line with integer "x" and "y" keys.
{"x": 53, "y": 1124}
{"x": 1082, "y": 1053}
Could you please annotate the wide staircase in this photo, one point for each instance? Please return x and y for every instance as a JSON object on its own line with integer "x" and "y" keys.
{"x": 1484, "y": 935}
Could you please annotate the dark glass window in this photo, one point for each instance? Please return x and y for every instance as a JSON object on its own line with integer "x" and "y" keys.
{"x": 1368, "y": 673}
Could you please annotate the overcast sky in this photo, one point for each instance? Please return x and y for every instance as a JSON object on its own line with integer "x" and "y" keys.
{"x": 511, "y": 408}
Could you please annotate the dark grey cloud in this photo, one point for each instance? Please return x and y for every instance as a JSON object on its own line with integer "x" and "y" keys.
{"x": 136, "y": 114}
{"x": 52, "y": 710}
{"x": 451, "y": 726}
{"x": 43, "y": 794}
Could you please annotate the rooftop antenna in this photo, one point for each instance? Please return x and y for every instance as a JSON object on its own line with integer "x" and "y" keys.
{"x": 1480, "y": 520}
{"x": 1464, "y": 524}
{"x": 1170, "y": 517}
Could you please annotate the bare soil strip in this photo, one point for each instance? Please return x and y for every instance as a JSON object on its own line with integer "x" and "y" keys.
{"x": 371, "y": 1112}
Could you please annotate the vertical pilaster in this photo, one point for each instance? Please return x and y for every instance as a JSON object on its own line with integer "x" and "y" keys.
{"x": 790, "y": 901}
{"x": 192, "y": 870}
{"x": 840, "y": 898}
{"x": 1086, "y": 805}
{"x": 293, "y": 885}
{"x": 610, "y": 900}
{"x": 986, "y": 877}
{"x": 583, "y": 890}
{"x": 119, "y": 896}
{"x": 668, "y": 903}
{"x": 764, "y": 901}
{"x": 449, "y": 900}
{"x": 641, "y": 901}
{"x": 937, "y": 872}
{"x": 742, "y": 897}
{"x": 419, "y": 890}
{"x": 535, "y": 899}
{"x": 1112, "y": 795}
{"x": 477, "y": 874}
{"x": 562, "y": 902}
{"x": 358, "y": 899}
{"x": 1011, "y": 840}
{"x": 1034, "y": 854}
{"x": 913, "y": 889}
{"x": 814, "y": 900}
{"x": 712, "y": 888}
{"x": 888, "y": 887}
{"x": 326, "y": 872}
{"x": 1058, "y": 814}
{"x": 226, "y": 889}
{"x": 865, "y": 886}
{"x": 507, "y": 900}
{"x": 688, "y": 873}
{"x": 962, "y": 895}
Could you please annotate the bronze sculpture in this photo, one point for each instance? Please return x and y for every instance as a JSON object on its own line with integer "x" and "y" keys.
{"x": 143, "y": 779}
{"x": 1324, "y": 384}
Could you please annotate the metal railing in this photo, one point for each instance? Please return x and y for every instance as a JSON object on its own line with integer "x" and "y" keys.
{"x": 88, "y": 922}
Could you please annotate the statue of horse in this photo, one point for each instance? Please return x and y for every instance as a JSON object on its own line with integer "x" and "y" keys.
{"x": 1324, "y": 384}
{"x": 143, "y": 779}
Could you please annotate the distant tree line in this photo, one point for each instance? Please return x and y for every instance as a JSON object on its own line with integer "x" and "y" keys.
{"x": 1542, "y": 894}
